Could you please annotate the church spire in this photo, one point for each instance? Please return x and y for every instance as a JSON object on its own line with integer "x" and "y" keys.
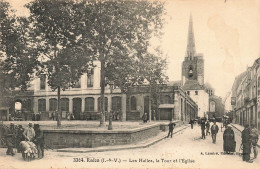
{"x": 191, "y": 51}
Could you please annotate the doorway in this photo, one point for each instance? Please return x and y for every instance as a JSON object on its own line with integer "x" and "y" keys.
{"x": 77, "y": 108}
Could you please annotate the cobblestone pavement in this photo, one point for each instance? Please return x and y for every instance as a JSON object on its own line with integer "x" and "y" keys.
{"x": 184, "y": 150}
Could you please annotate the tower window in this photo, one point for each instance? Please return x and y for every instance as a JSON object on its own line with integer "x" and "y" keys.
{"x": 196, "y": 92}
{"x": 188, "y": 92}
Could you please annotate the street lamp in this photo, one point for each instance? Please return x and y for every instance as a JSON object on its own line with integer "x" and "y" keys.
{"x": 111, "y": 86}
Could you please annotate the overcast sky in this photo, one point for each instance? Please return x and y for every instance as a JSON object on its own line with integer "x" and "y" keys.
{"x": 226, "y": 33}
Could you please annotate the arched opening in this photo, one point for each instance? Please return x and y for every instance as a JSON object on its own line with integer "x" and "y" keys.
{"x": 116, "y": 103}
{"x": 53, "y": 104}
{"x": 106, "y": 104}
{"x": 77, "y": 108}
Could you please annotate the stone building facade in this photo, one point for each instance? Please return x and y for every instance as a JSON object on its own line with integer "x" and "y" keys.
{"x": 245, "y": 96}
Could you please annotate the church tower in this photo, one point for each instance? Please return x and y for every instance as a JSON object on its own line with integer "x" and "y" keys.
{"x": 193, "y": 64}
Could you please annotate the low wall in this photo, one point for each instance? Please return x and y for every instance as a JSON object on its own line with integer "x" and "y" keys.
{"x": 64, "y": 138}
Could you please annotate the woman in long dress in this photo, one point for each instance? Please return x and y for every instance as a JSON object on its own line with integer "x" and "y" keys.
{"x": 229, "y": 140}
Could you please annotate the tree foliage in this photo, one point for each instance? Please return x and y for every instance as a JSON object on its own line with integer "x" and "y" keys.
{"x": 18, "y": 54}
{"x": 121, "y": 34}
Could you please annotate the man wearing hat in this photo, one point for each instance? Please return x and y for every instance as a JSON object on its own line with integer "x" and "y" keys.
{"x": 214, "y": 132}
{"x": 171, "y": 127}
{"x": 246, "y": 143}
{"x": 29, "y": 133}
{"x": 19, "y": 137}
{"x": 39, "y": 140}
{"x": 229, "y": 140}
{"x": 10, "y": 134}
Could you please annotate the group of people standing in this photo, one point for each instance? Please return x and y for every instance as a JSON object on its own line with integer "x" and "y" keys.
{"x": 13, "y": 135}
{"x": 206, "y": 126}
{"x": 249, "y": 137}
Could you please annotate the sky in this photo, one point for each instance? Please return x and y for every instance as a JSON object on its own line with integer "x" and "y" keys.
{"x": 227, "y": 33}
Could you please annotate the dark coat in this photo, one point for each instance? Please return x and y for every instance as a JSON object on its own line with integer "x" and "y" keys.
{"x": 207, "y": 125}
{"x": 171, "y": 126}
{"x": 39, "y": 139}
{"x": 214, "y": 131}
{"x": 10, "y": 137}
{"x": 246, "y": 136}
{"x": 203, "y": 125}
{"x": 229, "y": 140}
{"x": 246, "y": 144}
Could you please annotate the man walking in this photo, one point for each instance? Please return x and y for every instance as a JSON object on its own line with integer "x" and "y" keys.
{"x": 246, "y": 143}
{"x": 254, "y": 136}
{"x": 9, "y": 135}
{"x": 214, "y": 132}
{"x": 203, "y": 129}
{"x": 39, "y": 141}
{"x": 171, "y": 127}
{"x": 191, "y": 123}
{"x": 145, "y": 117}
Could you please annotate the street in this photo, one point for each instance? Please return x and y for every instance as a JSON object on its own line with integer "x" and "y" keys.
{"x": 184, "y": 150}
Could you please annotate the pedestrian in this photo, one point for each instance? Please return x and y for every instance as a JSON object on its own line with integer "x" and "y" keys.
{"x": 72, "y": 116}
{"x": 52, "y": 115}
{"x": 19, "y": 137}
{"x": 9, "y": 135}
{"x": 39, "y": 141}
{"x": 203, "y": 129}
{"x": 229, "y": 143}
{"x": 29, "y": 133}
{"x": 207, "y": 126}
{"x": 145, "y": 117}
{"x": 246, "y": 143}
{"x": 254, "y": 136}
{"x": 171, "y": 127}
{"x": 214, "y": 132}
{"x": 68, "y": 116}
{"x": 191, "y": 123}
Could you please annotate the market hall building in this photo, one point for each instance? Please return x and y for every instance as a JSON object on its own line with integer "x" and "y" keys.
{"x": 183, "y": 100}
{"x": 83, "y": 100}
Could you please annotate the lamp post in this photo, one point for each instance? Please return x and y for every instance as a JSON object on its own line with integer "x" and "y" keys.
{"x": 111, "y": 86}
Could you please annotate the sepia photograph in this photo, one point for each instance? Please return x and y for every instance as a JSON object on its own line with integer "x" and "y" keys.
{"x": 131, "y": 84}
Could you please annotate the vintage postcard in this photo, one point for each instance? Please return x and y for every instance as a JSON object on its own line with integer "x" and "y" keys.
{"x": 129, "y": 84}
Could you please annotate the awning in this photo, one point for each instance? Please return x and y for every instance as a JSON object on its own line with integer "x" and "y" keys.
{"x": 166, "y": 106}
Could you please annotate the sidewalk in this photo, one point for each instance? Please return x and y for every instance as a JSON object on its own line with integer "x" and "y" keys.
{"x": 241, "y": 128}
{"x": 142, "y": 144}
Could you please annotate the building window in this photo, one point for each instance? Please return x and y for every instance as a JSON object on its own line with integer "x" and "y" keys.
{"x": 42, "y": 82}
{"x": 188, "y": 92}
{"x": 133, "y": 103}
{"x": 90, "y": 78}
{"x": 89, "y": 104}
{"x": 212, "y": 107}
{"x": 196, "y": 92}
{"x": 53, "y": 104}
{"x": 64, "y": 103}
{"x": 106, "y": 104}
{"x": 116, "y": 103}
{"x": 41, "y": 105}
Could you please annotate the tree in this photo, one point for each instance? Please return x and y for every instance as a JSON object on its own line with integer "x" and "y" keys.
{"x": 63, "y": 53}
{"x": 153, "y": 68}
{"x": 17, "y": 62}
{"x": 122, "y": 30}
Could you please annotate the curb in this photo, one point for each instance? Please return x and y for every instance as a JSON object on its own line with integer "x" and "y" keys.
{"x": 120, "y": 148}
{"x": 241, "y": 131}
